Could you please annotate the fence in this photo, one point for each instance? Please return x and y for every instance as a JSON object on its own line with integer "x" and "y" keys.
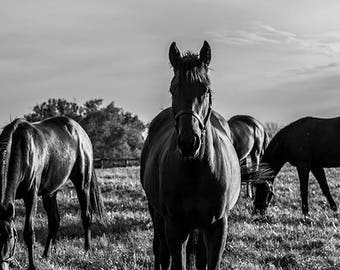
{"x": 115, "y": 162}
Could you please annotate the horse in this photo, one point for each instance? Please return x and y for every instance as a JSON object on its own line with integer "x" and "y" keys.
{"x": 250, "y": 139}
{"x": 36, "y": 160}
{"x": 310, "y": 144}
{"x": 189, "y": 168}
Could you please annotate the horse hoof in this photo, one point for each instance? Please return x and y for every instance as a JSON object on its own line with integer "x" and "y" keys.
{"x": 305, "y": 213}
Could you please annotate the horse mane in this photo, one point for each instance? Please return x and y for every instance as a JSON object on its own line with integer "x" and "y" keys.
{"x": 5, "y": 146}
{"x": 192, "y": 68}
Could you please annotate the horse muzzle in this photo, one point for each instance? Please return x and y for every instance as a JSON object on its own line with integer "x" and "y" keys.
{"x": 189, "y": 144}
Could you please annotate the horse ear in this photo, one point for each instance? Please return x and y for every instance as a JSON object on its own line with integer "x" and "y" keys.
{"x": 174, "y": 55}
{"x": 10, "y": 211}
{"x": 205, "y": 53}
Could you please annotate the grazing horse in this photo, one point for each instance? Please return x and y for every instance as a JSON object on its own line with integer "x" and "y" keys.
{"x": 309, "y": 144}
{"x": 37, "y": 159}
{"x": 189, "y": 168}
{"x": 250, "y": 139}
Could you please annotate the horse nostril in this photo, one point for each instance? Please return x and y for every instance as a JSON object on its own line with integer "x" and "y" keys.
{"x": 188, "y": 144}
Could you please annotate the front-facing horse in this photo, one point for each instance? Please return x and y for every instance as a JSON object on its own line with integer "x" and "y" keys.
{"x": 37, "y": 159}
{"x": 189, "y": 168}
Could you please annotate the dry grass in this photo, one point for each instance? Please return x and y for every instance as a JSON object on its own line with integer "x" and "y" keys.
{"x": 284, "y": 240}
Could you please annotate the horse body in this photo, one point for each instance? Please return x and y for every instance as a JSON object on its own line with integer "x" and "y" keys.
{"x": 314, "y": 142}
{"x": 183, "y": 189}
{"x": 310, "y": 144}
{"x": 49, "y": 156}
{"x": 189, "y": 168}
{"x": 38, "y": 158}
{"x": 250, "y": 139}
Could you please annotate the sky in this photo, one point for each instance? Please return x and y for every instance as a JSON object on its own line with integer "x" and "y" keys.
{"x": 275, "y": 60}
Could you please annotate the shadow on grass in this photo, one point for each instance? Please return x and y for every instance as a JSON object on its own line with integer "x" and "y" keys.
{"x": 74, "y": 230}
{"x": 286, "y": 262}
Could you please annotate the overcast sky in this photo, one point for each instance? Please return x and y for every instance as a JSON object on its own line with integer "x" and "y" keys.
{"x": 275, "y": 60}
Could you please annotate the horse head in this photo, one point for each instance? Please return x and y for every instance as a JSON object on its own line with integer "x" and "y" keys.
{"x": 191, "y": 97}
{"x": 264, "y": 190}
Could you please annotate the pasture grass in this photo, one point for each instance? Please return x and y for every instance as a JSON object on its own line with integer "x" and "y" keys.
{"x": 285, "y": 239}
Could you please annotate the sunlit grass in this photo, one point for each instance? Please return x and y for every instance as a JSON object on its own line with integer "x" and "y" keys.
{"x": 283, "y": 240}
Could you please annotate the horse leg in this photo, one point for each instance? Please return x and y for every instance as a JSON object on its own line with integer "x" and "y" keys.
{"x": 248, "y": 184}
{"x": 160, "y": 249}
{"x": 81, "y": 177}
{"x": 215, "y": 238}
{"x": 201, "y": 256}
{"x": 320, "y": 176}
{"x": 195, "y": 250}
{"x": 255, "y": 162}
{"x": 51, "y": 208}
{"x": 303, "y": 173}
{"x": 177, "y": 238}
{"x": 84, "y": 202}
{"x": 156, "y": 241}
{"x": 30, "y": 202}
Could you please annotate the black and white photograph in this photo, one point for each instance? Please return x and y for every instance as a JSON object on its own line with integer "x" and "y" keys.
{"x": 169, "y": 135}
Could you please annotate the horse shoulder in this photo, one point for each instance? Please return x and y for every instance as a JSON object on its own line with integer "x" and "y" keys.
{"x": 159, "y": 137}
{"x": 219, "y": 123}
{"x": 227, "y": 168}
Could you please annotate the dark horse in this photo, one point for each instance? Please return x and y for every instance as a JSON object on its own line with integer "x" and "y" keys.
{"x": 37, "y": 159}
{"x": 250, "y": 139}
{"x": 309, "y": 144}
{"x": 189, "y": 168}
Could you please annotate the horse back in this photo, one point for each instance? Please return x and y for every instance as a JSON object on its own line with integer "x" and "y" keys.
{"x": 313, "y": 141}
{"x": 57, "y": 131}
{"x": 65, "y": 146}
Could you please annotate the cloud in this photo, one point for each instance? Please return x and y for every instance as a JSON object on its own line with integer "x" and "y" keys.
{"x": 258, "y": 33}
{"x": 286, "y": 101}
{"x": 314, "y": 69}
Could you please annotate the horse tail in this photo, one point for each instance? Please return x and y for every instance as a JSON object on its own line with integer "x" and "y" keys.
{"x": 266, "y": 140}
{"x": 96, "y": 201}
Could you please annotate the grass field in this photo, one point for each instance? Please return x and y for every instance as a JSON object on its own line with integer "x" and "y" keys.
{"x": 283, "y": 240}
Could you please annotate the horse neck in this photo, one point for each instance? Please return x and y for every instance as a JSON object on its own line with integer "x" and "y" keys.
{"x": 274, "y": 157}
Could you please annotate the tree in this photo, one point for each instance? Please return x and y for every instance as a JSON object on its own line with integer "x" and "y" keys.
{"x": 114, "y": 133}
{"x": 56, "y": 107}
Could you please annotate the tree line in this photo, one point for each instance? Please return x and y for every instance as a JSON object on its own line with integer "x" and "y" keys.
{"x": 114, "y": 132}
